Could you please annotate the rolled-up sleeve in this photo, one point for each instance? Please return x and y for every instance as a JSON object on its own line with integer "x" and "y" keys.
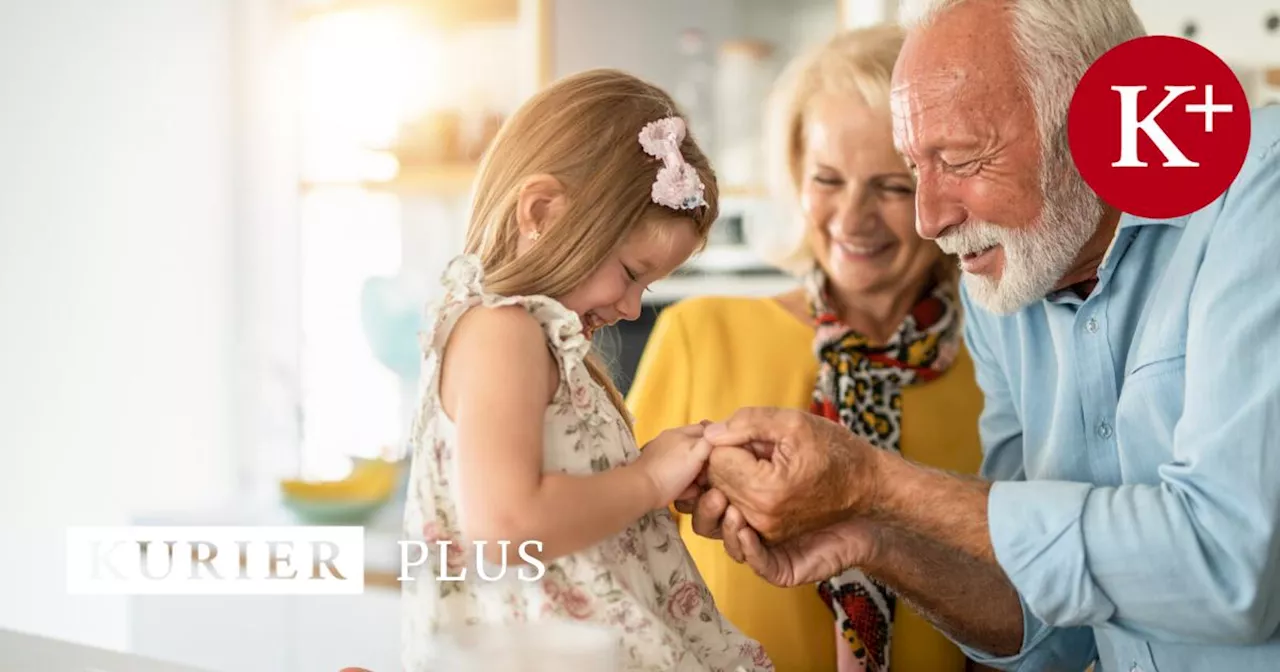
{"x": 1191, "y": 557}
{"x": 1044, "y": 648}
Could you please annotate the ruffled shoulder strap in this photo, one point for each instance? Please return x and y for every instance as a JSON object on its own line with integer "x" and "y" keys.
{"x": 463, "y": 282}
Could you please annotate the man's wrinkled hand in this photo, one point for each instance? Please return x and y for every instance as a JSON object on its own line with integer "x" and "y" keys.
{"x": 788, "y": 472}
{"x": 708, "y": 513}
{"x": 807, "y": 558}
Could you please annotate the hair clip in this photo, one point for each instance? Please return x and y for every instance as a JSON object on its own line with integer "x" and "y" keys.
{"x": 677, "y": 185}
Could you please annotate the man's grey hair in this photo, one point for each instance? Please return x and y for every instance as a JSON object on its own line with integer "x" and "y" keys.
{"x": 1057, "y": 41}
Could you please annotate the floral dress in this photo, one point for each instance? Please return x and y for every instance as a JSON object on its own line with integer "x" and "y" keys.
{"x": 640, "y": 582}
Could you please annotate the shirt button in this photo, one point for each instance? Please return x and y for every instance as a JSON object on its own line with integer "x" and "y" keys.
{"x": 1091, "y": 326}
{"x": 1135, "y": 668}
{"x": 1104, "y": 430}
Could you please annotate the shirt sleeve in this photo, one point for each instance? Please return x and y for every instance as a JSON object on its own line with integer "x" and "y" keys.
{"x": 1085, "y": 555}
{"x": 1043, "y": 647}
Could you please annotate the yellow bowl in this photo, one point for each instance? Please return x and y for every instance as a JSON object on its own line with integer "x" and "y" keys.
{"x": 334, "y": 512}
{"x": 369, "y": 480}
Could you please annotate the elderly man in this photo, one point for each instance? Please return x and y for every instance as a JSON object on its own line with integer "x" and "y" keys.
{"x": 1130, "y": 496}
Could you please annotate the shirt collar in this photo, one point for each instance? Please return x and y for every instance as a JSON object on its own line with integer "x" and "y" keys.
{"x": 1128, "y": 221}
{"x": 1128, "y": 227}
{"x": 1125, "y": 231}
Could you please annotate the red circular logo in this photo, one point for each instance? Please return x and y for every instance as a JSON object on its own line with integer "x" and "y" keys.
{"x": 1159, "y": 127}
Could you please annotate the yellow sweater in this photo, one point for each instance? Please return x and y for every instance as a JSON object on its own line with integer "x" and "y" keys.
{"x": 708, "y": 357}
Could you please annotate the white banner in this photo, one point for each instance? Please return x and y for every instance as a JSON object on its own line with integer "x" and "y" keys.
{"x": 141, "y": 560}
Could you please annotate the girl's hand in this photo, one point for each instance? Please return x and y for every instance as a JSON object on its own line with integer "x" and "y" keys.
{"x": 672, "y": 462}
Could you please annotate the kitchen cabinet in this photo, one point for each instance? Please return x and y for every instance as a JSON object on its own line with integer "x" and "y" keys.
{"x": 718, "y": 58}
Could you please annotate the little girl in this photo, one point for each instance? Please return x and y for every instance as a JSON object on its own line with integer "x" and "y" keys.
{"x": 589, "y": 193}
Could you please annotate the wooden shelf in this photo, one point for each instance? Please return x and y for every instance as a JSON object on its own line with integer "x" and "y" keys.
{"x": 441, "y": 12}
{"x": 442, "y": 180}
{"x": 455, "y": 179}
{"x": 743, "y": 191}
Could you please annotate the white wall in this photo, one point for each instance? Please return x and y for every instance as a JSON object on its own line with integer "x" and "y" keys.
{"x": 1233, "y": 29}
{"x": 267, "y": 261}
{"x": 117, "y": 352}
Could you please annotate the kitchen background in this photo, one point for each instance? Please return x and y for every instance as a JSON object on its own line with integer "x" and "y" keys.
{"x": 219, "y": 221}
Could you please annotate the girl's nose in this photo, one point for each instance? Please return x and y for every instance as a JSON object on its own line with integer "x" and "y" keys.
{"x": 630, "y": 305}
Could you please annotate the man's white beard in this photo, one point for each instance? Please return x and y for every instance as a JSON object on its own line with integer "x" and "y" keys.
{"x": 1037, "y": 257}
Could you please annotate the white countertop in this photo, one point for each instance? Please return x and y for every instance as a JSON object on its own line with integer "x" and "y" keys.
{"x": 675, "y": 288}
{"x": 722, "y": 270}
{"x": 21, "y": 652}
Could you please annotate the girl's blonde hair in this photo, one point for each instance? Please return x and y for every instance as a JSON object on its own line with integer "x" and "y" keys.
{"x": 856, "y": 63}
{"x": 584, "y": 131}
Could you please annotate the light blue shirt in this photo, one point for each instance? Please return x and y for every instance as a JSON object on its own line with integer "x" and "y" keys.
{"x": 1135, "y": 440}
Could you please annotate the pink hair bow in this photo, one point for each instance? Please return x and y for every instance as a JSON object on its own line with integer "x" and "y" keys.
{"x": 677, "y": 185}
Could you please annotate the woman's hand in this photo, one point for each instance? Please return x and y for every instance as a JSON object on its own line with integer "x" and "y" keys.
{"x": 673, "y": 462}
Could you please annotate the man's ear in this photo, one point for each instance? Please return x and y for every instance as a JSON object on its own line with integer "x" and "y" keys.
{"x": 539, "y": 205}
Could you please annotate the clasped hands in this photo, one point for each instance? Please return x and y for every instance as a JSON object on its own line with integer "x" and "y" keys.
{"x": 788, "y": 492}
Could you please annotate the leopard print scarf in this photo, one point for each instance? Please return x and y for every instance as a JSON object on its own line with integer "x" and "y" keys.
{"x": 859, "y": 385}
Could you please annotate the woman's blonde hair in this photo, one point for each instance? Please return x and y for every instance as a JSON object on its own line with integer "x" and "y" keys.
{"x": 584, "y": 131}
{"x": 856, "y": 63}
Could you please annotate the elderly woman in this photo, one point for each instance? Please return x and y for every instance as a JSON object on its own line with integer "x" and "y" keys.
{"x": 872, "y": 340}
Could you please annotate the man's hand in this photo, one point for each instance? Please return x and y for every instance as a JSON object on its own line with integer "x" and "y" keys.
{"x": 787, "y": 472}
{"x": 821, "y": 501}
{"x": 808, "y": 558}
{"x": 708, "y": 509}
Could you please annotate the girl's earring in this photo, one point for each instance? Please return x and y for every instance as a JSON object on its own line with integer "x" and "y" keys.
{"x": 535, "y": 235}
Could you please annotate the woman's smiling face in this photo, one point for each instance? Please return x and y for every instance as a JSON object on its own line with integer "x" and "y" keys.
{"x": 858, "y": 199}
